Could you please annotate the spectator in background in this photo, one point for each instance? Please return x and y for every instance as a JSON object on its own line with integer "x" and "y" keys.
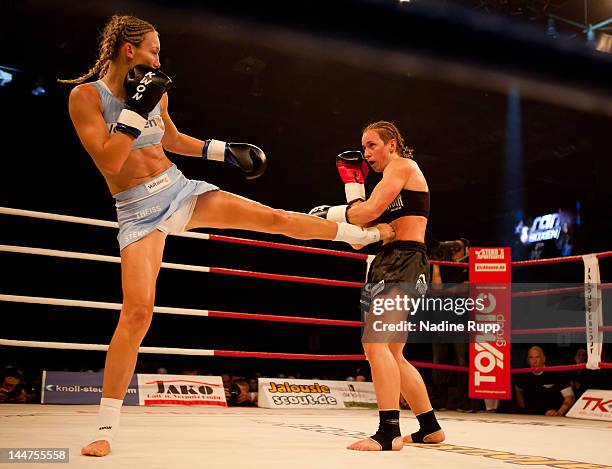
{"x": 455, "y": 351}
{"x": 253, "y": 385}
{"x": 581, "y": 356}
{"x": 227, "y": 380}
{"x": 541, "y": 393}
{"x": 239, "y": 393}
{"x": 192, "y": 372}
{"x": 580, "y": 380}
{"x": 362, "y": 375}
{"x": 403, "y": 403}
{"x": 13, "y": 390}
{"x": 585, "y": 379}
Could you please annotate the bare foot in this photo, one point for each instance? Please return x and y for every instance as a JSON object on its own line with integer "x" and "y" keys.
{"x": 369, "y": 444}
{"x": 97, "y": 448}
{"x": 436, "y": 437}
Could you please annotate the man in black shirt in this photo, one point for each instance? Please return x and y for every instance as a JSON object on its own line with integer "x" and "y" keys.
{"x": 541, "y": 393}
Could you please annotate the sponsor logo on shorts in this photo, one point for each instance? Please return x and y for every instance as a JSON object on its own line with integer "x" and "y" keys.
{"x": 133, "y": 235}
{"x": 148, "y": 211}
{"x": 421, "y": 285}
{"x": 157, "y": 183}
{"x": 376, "y": 288}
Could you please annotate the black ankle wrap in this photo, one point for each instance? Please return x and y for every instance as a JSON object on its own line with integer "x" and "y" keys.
{"x": 428, "y": 424}
{"x": 388, "y": 429}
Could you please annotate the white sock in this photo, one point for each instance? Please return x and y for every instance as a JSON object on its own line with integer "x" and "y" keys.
{"x": 108, "y": 418}
{"x": 356, "y": 235}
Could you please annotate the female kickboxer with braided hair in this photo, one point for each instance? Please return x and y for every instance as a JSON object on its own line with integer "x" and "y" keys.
{"x": 403, "y": 195}
{"x": 122, "y": 121}
{"x": 401, "y": 199}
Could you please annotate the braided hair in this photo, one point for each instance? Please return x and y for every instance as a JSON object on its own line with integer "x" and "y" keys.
{"x": 117, "y": 31}
{"x": 388, "y": 130}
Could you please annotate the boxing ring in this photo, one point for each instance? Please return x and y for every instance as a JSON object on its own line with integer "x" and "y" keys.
{"x": 244, "y": 437}
{"x": 229, "y": 437}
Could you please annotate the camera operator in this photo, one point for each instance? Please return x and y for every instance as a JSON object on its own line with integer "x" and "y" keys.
{"x": 455, "y": 279}
{"x": 12, "y": 387}
{"x": 238, "y": 393}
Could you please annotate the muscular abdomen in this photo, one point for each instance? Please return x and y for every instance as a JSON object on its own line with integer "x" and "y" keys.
{"x": 410, "y": 228}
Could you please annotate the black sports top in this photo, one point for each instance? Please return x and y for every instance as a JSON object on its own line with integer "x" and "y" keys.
{"x": 406, "y": 203}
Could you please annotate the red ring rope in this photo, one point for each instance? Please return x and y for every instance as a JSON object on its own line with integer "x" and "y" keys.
{"x": 293, "y": 319}
{"x": 557, "y": 330}
{"x": 439, "y": 366}
{"x": 557, "y": 291}
{"x": 287, "y": 247}
{"x": 449, "y": 264}
{"x": 287, "y": 278}
{"x": 558, "y": 260}
{"x": 285, "y": 356}
{"x": 579, "y": 366}
{"x": 345, "y": 323}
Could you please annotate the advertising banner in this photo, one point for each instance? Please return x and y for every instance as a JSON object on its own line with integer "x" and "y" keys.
{"x": 314, "y": 394}
{"x": 70, "y": 387}
{"x": 490, "y": 282}
{"x": 593, "y": 308}
{"x": 594, "y": 404}
{"x": 357, "y": 394}
{"x": 181, "y": 390}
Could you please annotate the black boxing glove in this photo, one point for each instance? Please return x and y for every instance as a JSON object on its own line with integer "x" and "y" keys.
{"x": 144, "y": 88}
{"x": 335, "y": 213}
{"x": 251, "y": 160}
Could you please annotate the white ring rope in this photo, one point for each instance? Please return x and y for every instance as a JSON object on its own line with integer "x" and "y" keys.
{"x": 102, "y": 348}
{"x": 97, "y": 305}
{"x": 84, "y": 221}
{"x": 92, "y": 257}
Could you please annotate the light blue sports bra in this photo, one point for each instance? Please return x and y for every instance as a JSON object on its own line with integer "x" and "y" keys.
{"x": 111, "y": 108}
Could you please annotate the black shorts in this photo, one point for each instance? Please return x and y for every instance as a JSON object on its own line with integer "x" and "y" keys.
{"x": 400, "y": 262}
{"x": 400, "y": 268}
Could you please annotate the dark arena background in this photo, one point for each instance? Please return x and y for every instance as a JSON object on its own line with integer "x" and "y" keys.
{"x": 506, "y": 103}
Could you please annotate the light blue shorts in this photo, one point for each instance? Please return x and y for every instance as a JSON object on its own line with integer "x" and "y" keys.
{"x": 165, "y": 203}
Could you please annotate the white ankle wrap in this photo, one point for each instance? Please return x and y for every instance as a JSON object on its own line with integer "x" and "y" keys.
{"x": 356, "y": 235}
{"x": 108, "y": 418}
